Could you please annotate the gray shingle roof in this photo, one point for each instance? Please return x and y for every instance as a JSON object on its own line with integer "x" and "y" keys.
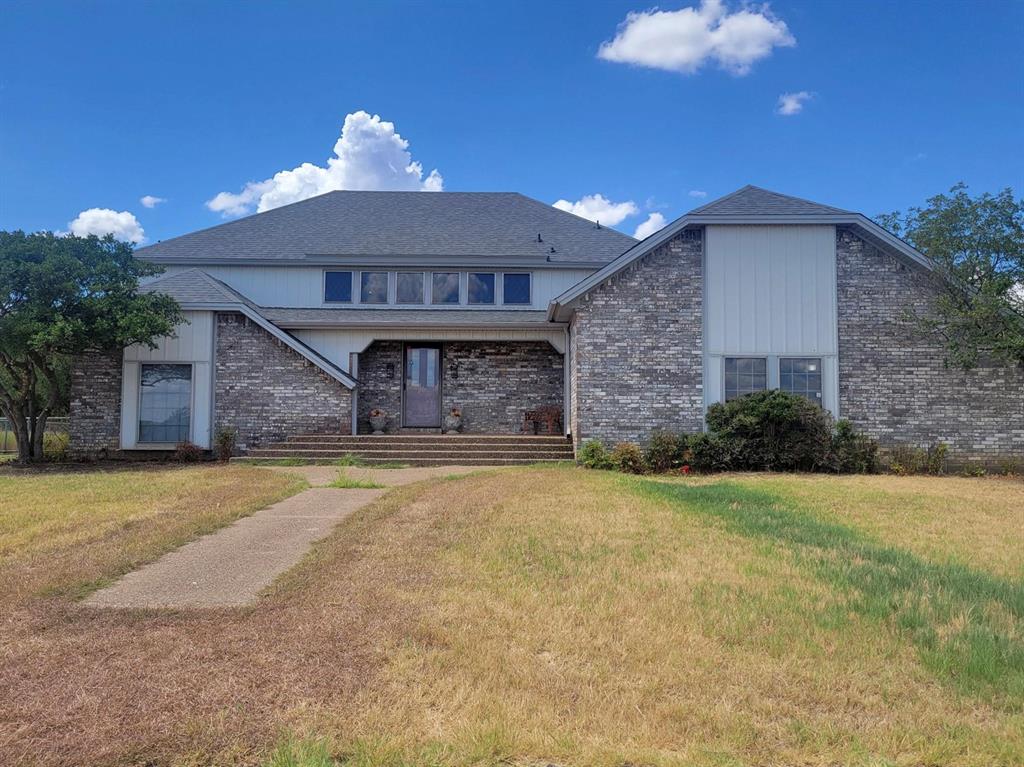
{"x": 380, "y": 224}
{"x": 754, "y": 201}
{"x": 415, "y": 317}
{"x": 194, "y": 286}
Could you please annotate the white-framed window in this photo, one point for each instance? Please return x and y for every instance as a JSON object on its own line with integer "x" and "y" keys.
{"x": 409, "y": 287}
{"x": 373, "y": 287}
{"x": 745, "y": 375}
{"x": 337, "y": 287}
{"x": 801, "y": 375}
{"x": 444, "y": 288}
{"x": 482, "y": 287}
{"x": 165, "y": 403}
{"x": 516, "y": 288}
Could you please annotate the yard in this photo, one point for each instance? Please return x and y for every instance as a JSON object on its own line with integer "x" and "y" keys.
{"x": 525, "y": 617}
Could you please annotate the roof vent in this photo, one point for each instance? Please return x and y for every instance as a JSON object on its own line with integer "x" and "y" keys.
{"x": 552, "y": 249}
{"x": 538, "y": 237}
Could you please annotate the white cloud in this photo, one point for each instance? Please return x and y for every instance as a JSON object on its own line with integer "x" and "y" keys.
{"x": 654, "y": 222}
{"x": 597, "y": 207}
{"x": 684, "y": 40}
{"x": 149, "y": 201}
{"x": 700, "y": 194}
{"x": 369, "y": 155}
{"x": 792, "y": 103}
{"x": 103, "y": 221}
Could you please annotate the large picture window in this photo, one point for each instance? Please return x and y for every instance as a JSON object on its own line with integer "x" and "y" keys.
{"x": 481, "y": 288}
{"x": 516, "y": 289}
{"x": 409, "y": 288}
{"x": 373, "y": 288}
{"x": 745, "y": 375}
{"x": 165, "y": 403}
{"x": 444, "y": 288}
{"x": 338, "y": 287}
{"x": 801, "y": 375}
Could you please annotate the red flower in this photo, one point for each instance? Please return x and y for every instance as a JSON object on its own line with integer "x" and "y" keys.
{"x": 685, "y": 470}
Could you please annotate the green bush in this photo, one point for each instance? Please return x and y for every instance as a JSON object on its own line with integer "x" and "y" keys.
{"x": 773, "y": 430}
{"x": 852, "y": 452}
{"x": 710, "y": 453}
{"x": 188, "y": 452}
{"x": 666, "y": 451}
{"x": 628, "y": 458}
{"x": 594, "y": 455}
{"x": 908, "y": 459}
{"x": 55, "y": 445}
{"x": 224, "y": 442}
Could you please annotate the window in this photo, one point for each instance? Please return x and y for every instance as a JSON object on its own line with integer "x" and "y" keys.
{"x": 338, "y": 287}
{"x": 373, "y": 288}
{"x": 745, "y": 375}
{"x": 516, "y": 288}
{"x": 481, "y": 288}
{"x": 444, "y": 288}
{"x": 409, "y": 288}
{"x": 165, "y": 403}
{"x": 801, "y": 375}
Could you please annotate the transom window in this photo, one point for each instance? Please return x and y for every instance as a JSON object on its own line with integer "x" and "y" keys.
{"x": 481, "y": 288}
{"x": 516, "y": 288}
{"x": 373, "y": 288}
{"x": 338, "y": 287}
{"x": 409, "y": 288}
{"x": 801, "y": 375}
{"x": 165, "y": 403}
{"x": 745, "y": 375}
{"x": 444, "y": 288}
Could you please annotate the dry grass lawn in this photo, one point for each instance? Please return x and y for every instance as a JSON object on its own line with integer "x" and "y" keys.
{"x": 559, "y": 615}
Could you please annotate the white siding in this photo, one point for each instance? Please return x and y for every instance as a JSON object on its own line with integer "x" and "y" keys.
{"x": 193, "y": 344}
{"x": 302, "y": 286}
{"x": 770, "y": 292}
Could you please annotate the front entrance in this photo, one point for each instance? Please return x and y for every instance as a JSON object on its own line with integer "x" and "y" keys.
{"x": 421, "y": 386}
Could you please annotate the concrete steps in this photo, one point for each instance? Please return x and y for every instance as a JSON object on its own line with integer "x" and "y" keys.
{"x": 420, "y": 449}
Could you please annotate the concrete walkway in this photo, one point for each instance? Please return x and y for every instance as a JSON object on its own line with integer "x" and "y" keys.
{"x": 229, "y": 568}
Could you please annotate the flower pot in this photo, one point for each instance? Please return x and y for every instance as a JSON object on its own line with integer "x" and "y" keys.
{"x": 453, "y": 423}
{"x": 378, "y": 423}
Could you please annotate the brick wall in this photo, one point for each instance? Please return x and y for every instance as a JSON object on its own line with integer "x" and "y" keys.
{"x": 892, "y": 380}
{"x": 637, "y": 359}
{"x": 266, "y": 390}
{"x": 379, "y": 385}
{"x": 94, "y": 426}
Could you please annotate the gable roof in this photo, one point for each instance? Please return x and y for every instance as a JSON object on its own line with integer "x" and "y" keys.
{"x": 196, "y": 290}
{"x": 344, "y": 226}
{"x": 749, "y": 205}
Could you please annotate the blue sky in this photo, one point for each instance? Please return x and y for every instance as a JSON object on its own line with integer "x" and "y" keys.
{"x": 102, "y": 103}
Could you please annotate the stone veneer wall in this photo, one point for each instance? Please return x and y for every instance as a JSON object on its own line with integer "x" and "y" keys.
{"x": 637, "y": 356}
{"x": 266, "y": 390}
{"x": 493, "y": 382}
{"x": 893, "y": 382}
{"x": 95, "y": 424}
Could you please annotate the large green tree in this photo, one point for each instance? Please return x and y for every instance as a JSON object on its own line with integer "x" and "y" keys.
{"x": 978, "y": 245}
{"x": 61, "y": 297}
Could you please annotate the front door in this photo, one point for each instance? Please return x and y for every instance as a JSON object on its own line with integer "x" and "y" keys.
{"x": 421, "y": 386}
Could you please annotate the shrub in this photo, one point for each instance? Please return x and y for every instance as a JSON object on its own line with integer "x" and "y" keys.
{"x": 188, "y": 452}
{"x": 594, "y": 455}
{"x": 773, "y": 430}
{"x": 852, "y": 452}
{"x": 628, "y": 458}
{"x": 224, "y": 442}
{"x": 55, "y": 445}
{"x": 666, "y": 451}
{"x": 710, "y": 453}
{"x": 907, "y": 459}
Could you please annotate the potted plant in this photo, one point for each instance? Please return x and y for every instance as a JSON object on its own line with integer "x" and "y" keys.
{"x": 378, "y": 420}
{"x": 453, "y": 421}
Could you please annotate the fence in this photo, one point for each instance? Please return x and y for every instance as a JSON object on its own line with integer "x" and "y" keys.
{"x": 7, "y": 441}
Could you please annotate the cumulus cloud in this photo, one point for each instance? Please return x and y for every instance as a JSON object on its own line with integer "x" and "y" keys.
{"x": 654, "y": 222}
{"x": 149, "y": 201}
{"x": 369, "y": 155}
{"x": 700, "y": 194}
{"x": 684, "y": 40}
{"x": 103, "y": 221}
{"x": 792, "y": 103}
{"x": 597, "y": 207}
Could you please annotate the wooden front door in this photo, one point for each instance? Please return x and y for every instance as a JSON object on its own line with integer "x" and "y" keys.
{"x": 421, "y": 386}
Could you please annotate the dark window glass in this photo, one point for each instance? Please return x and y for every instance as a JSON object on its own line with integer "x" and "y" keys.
{"x": 444, "y": 288}
{"x": 338, "y": 287}
{"x": 373, "y": 288}
{"x": 165, "y": 403}
{"x": 516, "y": 288}
{"x": 481, "y": 288}
{"x": 801, "y": 375}
{"x": 745, "y": 375}
{"x": 410, "y": 288}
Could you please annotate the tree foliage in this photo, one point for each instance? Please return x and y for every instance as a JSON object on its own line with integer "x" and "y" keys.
{"x": 978, "y": 245}
{"x": 61, "y": 297}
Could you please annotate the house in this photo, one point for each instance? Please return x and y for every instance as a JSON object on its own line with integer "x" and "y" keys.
{"x": 304, "y": 318}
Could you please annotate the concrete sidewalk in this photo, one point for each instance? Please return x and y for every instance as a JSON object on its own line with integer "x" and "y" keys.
{"x": 229, "y": 568}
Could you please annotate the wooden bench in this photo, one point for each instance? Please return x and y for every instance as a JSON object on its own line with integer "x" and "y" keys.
{"x": 548, "y": 417}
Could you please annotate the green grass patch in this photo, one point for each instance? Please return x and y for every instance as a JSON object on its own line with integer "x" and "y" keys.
{"x": 968, "y": 625}
{"x": 349, "y": 483}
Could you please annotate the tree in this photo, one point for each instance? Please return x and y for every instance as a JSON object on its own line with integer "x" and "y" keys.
{"x": 978, "y": 245}
{"x": 61, "y": 297}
